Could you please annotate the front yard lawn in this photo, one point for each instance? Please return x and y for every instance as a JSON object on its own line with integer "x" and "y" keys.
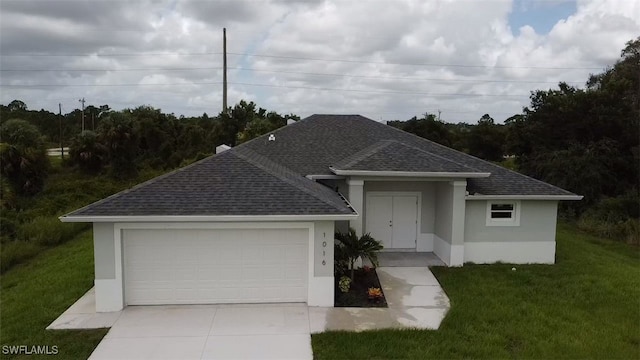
{"x": 587, "y": 305}
{"x": 36, "y": 293}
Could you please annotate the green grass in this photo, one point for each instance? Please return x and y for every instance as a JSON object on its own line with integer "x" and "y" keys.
{"x": 587, "y": 305}
{"x": 36, "y": 293}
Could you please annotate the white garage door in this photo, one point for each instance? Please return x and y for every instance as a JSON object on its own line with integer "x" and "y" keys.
{"x": 215, "y": 266}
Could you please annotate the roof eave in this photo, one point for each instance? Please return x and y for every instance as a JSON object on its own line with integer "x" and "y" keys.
{"x": 437, "y": 174}
{"x": 203, "y": 218}
{"x": 525, "y": 197}
{"x": 324, "y": 177}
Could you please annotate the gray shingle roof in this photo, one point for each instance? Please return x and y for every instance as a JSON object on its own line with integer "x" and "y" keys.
{"x": 231, "y": 183}
{"x": 310, "y": 145}
{"x": 391, "y": 155}
{"x": 263, "y": 177}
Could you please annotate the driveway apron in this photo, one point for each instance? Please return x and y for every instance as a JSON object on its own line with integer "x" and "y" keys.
{"x": 209, "y": 332}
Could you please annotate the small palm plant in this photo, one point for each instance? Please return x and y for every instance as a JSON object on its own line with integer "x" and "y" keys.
{"x": 354, "y": 247}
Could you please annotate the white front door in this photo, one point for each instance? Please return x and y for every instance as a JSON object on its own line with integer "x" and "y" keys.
{"x": 393, "y": 219}
{"x": 405, "y": 221}
{"x": 379, "y": 222}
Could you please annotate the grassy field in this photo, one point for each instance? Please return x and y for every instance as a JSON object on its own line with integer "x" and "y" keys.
{"x": 36, "y": 293}
{"x": 585, "y": 306}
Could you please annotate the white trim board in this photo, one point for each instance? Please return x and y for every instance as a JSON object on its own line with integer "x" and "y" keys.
{"x": 524, "y": 197}
{"x": 411, "y": 173}
{"x": 206, "y": 218}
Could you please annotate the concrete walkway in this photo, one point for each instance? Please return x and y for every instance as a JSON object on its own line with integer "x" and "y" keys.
{"x": 414, "y": 297}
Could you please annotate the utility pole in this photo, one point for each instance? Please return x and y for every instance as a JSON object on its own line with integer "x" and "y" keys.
{"x": 60, "y": 123}
{"x": 82, "y": 101}
{"x": 439, "y": 112}
{"x": 224, "y": 71}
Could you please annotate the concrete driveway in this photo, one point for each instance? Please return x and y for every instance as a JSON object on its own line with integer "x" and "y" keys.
{"x": 257, "y": 331}
{"x": 209, "y": 332}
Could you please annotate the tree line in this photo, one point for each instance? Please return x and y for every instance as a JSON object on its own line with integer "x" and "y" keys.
{"x": 118, "y": 143}
{"x": 585, "y": 140}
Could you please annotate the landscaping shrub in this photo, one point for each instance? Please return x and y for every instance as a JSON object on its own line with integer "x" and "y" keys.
{"x": 614, "y": 218}
{"x": 48, "y": 230}
{"x": 352, "y": 247}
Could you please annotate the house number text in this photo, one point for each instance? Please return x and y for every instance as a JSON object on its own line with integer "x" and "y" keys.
{"x": 324, "y": 253}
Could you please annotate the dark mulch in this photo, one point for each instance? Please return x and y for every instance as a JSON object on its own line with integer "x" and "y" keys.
{"x": 357, "y": 295}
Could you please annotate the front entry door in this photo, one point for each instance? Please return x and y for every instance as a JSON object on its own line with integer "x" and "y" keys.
{"x": 393, "y": 219}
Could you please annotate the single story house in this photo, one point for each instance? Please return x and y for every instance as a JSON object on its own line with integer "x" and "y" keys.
{"x": 256, "y": 223}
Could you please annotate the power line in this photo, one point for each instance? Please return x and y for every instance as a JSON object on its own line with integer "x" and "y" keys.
{"x": 413, "y": 64}
{"x": 109, "y": 55}
{"x": 273, "y": 86}
{"x": 306, "y": 59}
{"x": 296, "y": 73}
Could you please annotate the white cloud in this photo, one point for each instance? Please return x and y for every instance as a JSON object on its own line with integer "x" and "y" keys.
{"x": 398, "y": 58}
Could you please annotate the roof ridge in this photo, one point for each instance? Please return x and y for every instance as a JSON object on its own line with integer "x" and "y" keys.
{"x": 373, "y": 149}
{"x": 363, "y": 154}
{"x": 438, "y": 156}
{"x": 282, "y": 172}
{"x": 266, "y": 135}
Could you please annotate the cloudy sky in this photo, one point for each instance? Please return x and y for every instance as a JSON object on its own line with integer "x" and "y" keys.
{"x": 385, "y": 59}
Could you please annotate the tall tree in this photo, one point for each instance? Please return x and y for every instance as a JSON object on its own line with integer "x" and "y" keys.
{"x": 584, "y": 139}
{"x": 23, "y": 157}
{"x": 486, "y": 139}
{"x": 116, "y": 132}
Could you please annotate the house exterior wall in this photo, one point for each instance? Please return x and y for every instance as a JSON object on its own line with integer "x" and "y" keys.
{"x": 109, "y": 282}
{"x": 104, "y": 251}
{"x": 321, "y": 284}
{"x": 533, "y": 241}
{"x": 444, "y": 211}
{"x": 449, "y": 227}
{"x": 107, "y": 285}
{"x": 356, "y": 198}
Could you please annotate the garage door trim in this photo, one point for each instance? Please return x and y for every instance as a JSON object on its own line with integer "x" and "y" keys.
{"x": 119, "y": 248}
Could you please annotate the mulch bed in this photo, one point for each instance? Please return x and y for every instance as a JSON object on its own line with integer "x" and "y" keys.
{"x": 357, "y": 295}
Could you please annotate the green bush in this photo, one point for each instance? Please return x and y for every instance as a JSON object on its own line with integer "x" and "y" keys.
{"x": 48, "y": 230}
{"x": 627, "y": 231}
{"x": 614, "y": 218}
{"x": 16, "y": 252}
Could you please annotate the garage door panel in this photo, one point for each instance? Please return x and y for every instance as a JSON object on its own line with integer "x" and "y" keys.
{"x": 172, "y": 266}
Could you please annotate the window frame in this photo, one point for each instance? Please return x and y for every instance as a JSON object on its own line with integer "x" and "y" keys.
{"x": 514, "y": 220}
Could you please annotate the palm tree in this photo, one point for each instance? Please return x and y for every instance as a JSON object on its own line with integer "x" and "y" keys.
{"x": 23, "y": 158}
{"x": 354, "y": 247}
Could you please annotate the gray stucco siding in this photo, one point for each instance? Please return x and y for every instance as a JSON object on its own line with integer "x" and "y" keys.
{"x": 444, "y": 211}
{"x": 537, "y": 223}
{"x": 323, "y": 248}
{"x": 104, "y": 251}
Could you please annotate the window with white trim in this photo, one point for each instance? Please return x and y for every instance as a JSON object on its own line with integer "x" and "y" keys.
{"x": 503, "y": 213}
